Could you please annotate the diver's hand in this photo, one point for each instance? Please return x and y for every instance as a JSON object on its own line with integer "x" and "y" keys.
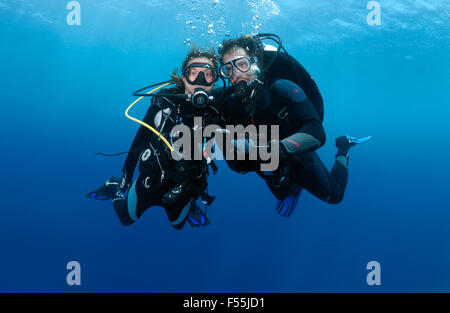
{"x": 125, "y": 184}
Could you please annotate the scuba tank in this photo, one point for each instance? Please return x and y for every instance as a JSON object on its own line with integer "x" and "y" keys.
{"x": 278, "y": 64}
{"x": 285, "y": 66}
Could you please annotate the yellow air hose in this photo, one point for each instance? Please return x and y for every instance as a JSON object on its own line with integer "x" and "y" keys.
{"x": 144, "y": 124}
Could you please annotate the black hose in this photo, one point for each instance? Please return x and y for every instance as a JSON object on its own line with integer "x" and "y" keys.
{"x": 111, "y": 155}
{"x": 137, "y": 92}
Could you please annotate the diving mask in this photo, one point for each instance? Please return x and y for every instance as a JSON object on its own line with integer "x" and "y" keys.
{"x": 200, "y": 74}
{"x": 242, "y": 63}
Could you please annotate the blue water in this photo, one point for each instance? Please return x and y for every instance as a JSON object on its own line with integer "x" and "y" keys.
{"x": 63, "y": 93}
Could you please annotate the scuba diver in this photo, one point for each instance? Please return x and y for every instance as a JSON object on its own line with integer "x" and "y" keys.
{"x": 269, "y": 87}
{"x": 163, "y": 181}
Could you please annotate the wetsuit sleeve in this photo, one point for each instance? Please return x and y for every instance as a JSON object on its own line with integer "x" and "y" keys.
{"x": 310, "y": 134}
{"x": 140, "y": 140}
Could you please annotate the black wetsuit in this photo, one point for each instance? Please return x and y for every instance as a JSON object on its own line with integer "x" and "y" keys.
{"x": 285, "y": 104}
{"x": 159, "y": 172}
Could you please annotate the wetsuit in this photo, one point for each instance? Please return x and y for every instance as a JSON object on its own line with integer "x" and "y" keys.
{"x": 159, "y": 172}
{"x": 301, "y": 133}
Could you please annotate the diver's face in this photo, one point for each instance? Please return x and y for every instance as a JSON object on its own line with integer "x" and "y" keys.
{"x": 237, "y": 76}
{"x": 189, "y": 89}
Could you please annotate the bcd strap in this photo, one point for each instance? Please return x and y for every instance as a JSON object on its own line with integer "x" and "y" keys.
{"x": 283, "y": 115}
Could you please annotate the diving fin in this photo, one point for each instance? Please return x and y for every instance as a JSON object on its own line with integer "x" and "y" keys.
{"x": 196, "y": 217}
{"x": 107, "y": 191}
{"x": 356, "y": 140}
{"x": 344, "y": 143}
{"x": 287, "y": 206}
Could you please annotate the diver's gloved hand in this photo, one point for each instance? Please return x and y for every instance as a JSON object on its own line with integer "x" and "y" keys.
{"x": 125, "y": 183}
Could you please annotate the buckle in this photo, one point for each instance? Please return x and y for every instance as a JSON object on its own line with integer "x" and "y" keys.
{"x": 146, "y": 182}
{"x": 283, "y": 113}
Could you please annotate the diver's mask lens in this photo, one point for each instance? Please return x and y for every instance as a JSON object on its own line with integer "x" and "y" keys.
{"x": 202, "y": 74}
{"x": 242, "y": 64}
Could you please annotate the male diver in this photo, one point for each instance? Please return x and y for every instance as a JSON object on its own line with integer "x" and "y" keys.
{"x": 163, "y": 181}
{"x": 272, "y": 88}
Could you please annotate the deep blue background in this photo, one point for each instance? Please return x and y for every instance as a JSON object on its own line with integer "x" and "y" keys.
{"x": 63, "y": 93}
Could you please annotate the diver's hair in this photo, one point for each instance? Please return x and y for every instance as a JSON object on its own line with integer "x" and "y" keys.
{"x": 194, "y": 53}
{"x": 249, "y": 43}
{"x": 179, "y": 85}
{"x": 197, "y": 52}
